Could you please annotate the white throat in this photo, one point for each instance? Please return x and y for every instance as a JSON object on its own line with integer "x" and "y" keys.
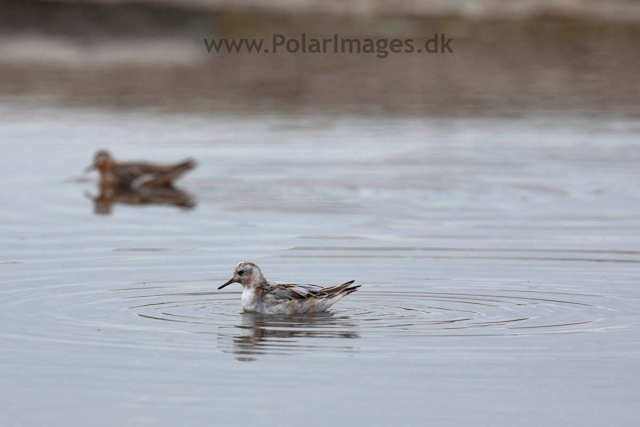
{"x": 251, "y": 301}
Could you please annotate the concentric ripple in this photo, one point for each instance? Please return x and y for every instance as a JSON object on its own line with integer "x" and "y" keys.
{"x": 385, "y": 313}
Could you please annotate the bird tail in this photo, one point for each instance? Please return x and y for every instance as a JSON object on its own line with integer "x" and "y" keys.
{"x": 336, "y": 293}
{"x": 166, "y": 177}
{"x": 335, "y": 290}
{"x": 350, "y": 290}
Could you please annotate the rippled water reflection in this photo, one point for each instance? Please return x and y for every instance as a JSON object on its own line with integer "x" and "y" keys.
{"x": 498, "y": 259}
{"x": 162, "y": 196}
{"x": 397, "y": 318}
{"x": 393, "y": 314}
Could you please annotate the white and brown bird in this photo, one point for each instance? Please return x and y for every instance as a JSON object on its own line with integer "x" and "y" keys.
{"x": 261, "y": 296}
{"x": 136, "y": 174}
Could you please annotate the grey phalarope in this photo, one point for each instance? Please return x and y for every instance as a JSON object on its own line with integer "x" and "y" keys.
{"x": 264, "y": 297}
{"x": 136, "y": 174}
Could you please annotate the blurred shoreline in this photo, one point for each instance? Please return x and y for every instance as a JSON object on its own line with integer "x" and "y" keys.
{"x": 611, "y": 10}
{"x": 529, "y": 57}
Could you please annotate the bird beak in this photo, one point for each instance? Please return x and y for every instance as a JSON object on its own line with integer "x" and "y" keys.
{"x": 230, "y": 281}
{"x": 88, "y": 169}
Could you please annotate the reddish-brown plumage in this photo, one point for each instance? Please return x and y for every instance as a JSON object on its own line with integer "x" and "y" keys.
{"x": 137, "y": 174}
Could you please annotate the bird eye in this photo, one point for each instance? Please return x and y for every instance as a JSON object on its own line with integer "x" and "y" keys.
{"x": 240, "y": 272}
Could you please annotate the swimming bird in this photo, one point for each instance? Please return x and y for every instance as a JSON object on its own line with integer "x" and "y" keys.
{"x": 264, "y": 297}
{"x": 136, "y": 174}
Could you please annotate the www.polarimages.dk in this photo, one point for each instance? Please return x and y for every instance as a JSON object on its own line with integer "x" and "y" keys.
{"x": 281, "y": 44}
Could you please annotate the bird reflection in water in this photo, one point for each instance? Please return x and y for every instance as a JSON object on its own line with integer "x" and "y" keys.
{"x": 166, "y": 196}
{"x": 268, "y": 334}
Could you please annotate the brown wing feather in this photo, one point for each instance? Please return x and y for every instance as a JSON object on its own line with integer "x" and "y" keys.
{"x": 130, "y": 171}
{"x": 296, "y": 291}
{"x": 333, "y": 290}
{"x": 168, "y": 174}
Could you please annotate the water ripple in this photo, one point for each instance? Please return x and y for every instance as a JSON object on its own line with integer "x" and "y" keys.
{"x": 387, "y": 314}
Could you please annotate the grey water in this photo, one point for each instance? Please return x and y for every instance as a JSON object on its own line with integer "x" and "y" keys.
{"x": 499, "y": 260}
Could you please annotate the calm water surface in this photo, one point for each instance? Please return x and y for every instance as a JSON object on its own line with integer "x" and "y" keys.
{"x": 499, "y": 262}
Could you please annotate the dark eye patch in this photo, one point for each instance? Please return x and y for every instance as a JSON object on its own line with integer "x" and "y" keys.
{"x": 240, "y": 272}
